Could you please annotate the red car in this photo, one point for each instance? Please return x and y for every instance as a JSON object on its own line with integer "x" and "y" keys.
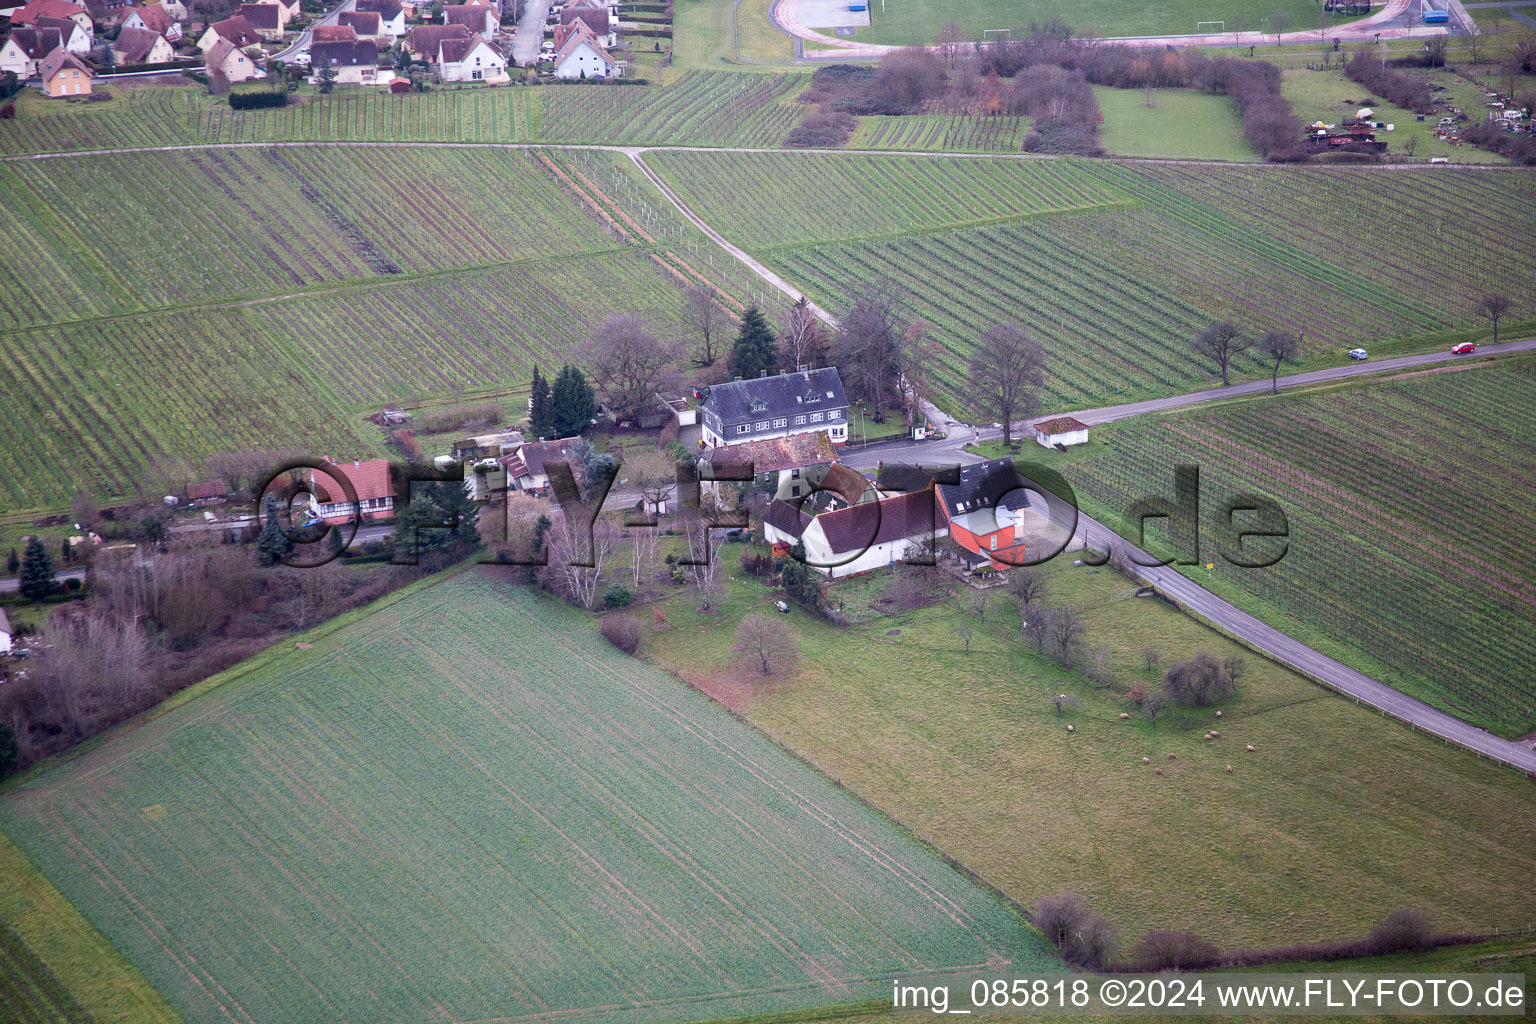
{"x": 1466, "y": 348}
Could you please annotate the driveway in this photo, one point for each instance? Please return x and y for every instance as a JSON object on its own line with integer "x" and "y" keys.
{"x": 530, "y": 33}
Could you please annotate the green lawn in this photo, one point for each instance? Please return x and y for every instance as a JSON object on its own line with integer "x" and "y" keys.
{"x": 710, "y": 34}
{"x": 1330, "y": 96}
{"x": 1338, "y": 817}
{"x": 920, "y": 21}
{"x": 467, "y": 805}
{"x": 1181, "y": 123}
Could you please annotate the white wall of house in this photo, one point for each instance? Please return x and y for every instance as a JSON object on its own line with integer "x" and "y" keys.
{"x": 482, "y": 64}
{"x": 14, "y": 59}
{"x": 583, "y": 60}
{"x": 878, "y": 556}
{"x": 836, "y": 430}
{"x": 1070, "y": 438}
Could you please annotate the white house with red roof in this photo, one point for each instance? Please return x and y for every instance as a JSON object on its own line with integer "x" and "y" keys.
{"x": 471, "y": 60}
{"x": 1061, "y": 432}
{"x": 375, "y": 491}
{"x": 35, "y": 9}
{"x": 582, "y": 56}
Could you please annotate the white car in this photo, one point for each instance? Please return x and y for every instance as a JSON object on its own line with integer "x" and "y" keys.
{"x": 1359, "y": 353}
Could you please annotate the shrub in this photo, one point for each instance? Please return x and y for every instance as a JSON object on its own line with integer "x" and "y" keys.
{"x": 617, "y": 596}
{"x": 1403, "y": 90}
{"x": 7, "y": 111}
{"x": 1401, "y": 931}
{"x": 1083, "y": 936}
{"x": 1163, "y": 950}
{"x": 755, "y": 564}
{"x": 1200, "y": 681}
{"x": 822, "y": 131}
{"x": 623, "y": 631}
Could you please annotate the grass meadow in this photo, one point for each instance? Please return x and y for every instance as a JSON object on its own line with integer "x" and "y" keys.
{"x": 467, "y": 805}
{"x": 1411, "y": 527}
{"x": 1181, "y": 123}
{"x": 1338, "y": 817}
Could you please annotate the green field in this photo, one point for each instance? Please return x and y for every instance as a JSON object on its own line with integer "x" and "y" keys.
{"x": 469, "y": 806}
{"x": 299, "y": 288}
{"x": 920, "y": 21}
{"x": 937, "y": 133}
{"x": 1115, "y": 267}
{"x": 1182, "y": 124}
{"x": 1411, "y": 551}
{"x": 1338, "y": 817}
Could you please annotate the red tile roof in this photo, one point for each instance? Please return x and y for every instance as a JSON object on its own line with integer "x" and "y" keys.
{"x": 156, "y": 17}
{"x": 36, "y": 43}
{"x": 46, "y": 9}
{"x": 370, "y": 479}
{"x": 1060, "y": 425}
{"x": 773, "y": 454}
{"x": 268, "y": 16}
{"x": 135, "y": 44}
{"x": 205, "y": 489}
{"x": 786, "y": 518}
{"x": 425, "y": 39}
{"x": 905, "y": 517}
{"x": 237, "y": 30}
{"x": 364, "y": 23}
{"x": 57, "y": 61}
{"x": 333, "y": 34}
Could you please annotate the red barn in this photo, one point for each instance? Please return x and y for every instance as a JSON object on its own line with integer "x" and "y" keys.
{"x": 987, "y": 511}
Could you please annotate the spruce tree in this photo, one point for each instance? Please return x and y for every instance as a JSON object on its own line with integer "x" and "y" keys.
{"x": 273, "y": 544}
{"x": 13, "y": 564}
{"x": 755, "y": 349}
{"x": 541, "y": 409}
{"x": 575, "y": 403}
{"x": 37, "y": 578}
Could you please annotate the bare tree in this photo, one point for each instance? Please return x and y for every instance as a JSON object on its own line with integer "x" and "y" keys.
{"x": 703, "y": 317}
{"x": 1494, "y": 307}
{"x": 1037, "y": 624}
{"x": 629, "y": 363}
{"x": 1279, "y": 347}
{"x": 1027, "y": 585}
{"x": 951, "y": 42}
{"x": 1066, "y": 702}
{"x": 1097, "y": 669}
{"x": 869, "y": 345}
{"x": 922, "y": 354}
{"x": 1198, "y": 681}
{"x": 909, "y": 77}
{"x": 577, "y": 583}
{"x": 1067, "y": 635}
{"x": 1221, "y": 341}
{"x": 766, "y": 644}
{"x": 802, "y": 339}
{"x": 964, "y": 630}
{"x": 1151, "y": 657}
{"x": 1152, "y": 705}
{"x": 1006, "y": 368}
{"x": 703, "y": 566}
{"x": 1278, "y": 19}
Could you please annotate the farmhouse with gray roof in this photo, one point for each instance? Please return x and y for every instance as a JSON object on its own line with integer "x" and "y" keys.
{"x": 789, "y": 403}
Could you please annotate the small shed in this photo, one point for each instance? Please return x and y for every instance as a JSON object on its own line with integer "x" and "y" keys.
{"x": 400, "y": 85}
{"x": 1061, "y": 432}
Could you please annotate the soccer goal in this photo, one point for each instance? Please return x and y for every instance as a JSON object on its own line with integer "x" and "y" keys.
{"x": 987, "y": 34}
{"x": 1202, "y": 27}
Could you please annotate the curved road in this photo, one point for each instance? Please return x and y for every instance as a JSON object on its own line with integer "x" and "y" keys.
{"x": 786, "y": 17}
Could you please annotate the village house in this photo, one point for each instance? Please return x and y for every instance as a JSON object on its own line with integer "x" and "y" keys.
{"x": 354, "y": 63}
{"x": 788, "y": 403}
{"x": 425, "y": 41}
{"x": 64, "y": 74}
{"x": 595, "y": 17}
{"x": 792, "y": 465}
{"x": 26, "y": 17}
{"x": 528, "y": 467}
{"x": 478, "y": 18}
{"x": 236, "y": 30}
{"x": 332, "y": 34}
{"x": 988, "y": 514}
{"x": 71, "y": 36}
{"x": 582, "y": 56}
{"x": 207, "y": 492}
{"x": 141, "y": 46}
{"x": 391, "y": 16}
{"x": 471, "y": 60}
{"x": 371, "y": 481}
{"x": 1061, "y": 432}
{"x": 856, "y": 538}
{"x": 365, "y": 23}
{"x": 268, "y": 20}
{"x": 5, "y": 633}
{"x": 156, "y": 18}
{"x": 229, "y": 60}
{"x": 26, "y": 48}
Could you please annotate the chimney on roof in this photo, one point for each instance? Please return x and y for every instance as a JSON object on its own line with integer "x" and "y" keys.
{"x": 761, "y": 374}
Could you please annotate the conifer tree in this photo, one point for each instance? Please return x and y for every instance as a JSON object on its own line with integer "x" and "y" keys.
{"x": 755, "y": 349}
{"x": 37, "y": 580}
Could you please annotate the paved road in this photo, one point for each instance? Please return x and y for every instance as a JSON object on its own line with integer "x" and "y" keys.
{"x": 301, "y": 44}
{"x": 1110, "y": 413}
{"x": 530, "y": 32}
{"x": 784, "y": 14}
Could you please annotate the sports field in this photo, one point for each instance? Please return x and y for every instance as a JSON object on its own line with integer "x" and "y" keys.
{"x": 921, "y": 21}
{"x": 1117, "y": 266}
{"x": 468, "y": 806}
{"x": 1413, "y": 536}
